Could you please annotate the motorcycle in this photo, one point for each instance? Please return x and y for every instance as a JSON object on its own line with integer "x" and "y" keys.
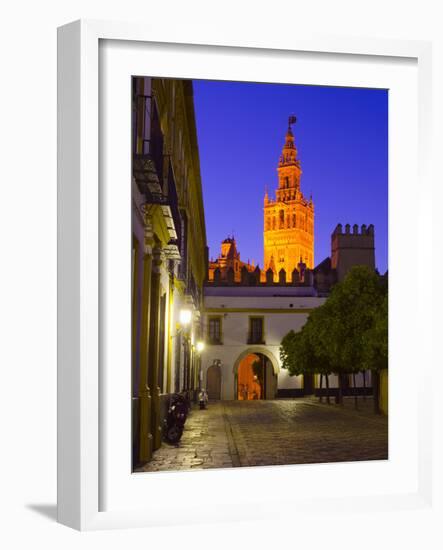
{"x": 176, "y": 418}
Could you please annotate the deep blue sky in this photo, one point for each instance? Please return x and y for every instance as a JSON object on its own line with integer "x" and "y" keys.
{"x": 342, "y": 139}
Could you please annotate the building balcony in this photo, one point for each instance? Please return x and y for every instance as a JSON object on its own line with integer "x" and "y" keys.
{"x": 147, "y": 174}
{"x": 146, "y": 171}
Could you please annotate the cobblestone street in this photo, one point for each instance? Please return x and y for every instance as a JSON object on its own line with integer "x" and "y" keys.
{"x": 263, "y": 433}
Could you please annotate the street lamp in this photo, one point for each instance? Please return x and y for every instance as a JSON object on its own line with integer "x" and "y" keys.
{"x": 185, "y": 317}
{"x": 200, "y": 346}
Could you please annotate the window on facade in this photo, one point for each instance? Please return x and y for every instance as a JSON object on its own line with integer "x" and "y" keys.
{"x": 156, "y": 143}
{"x": 256, "y": 330}
{"x": 282, "y": 219}
{"x": 141, "y": 114}
{"x": 183, "y": 245}
{"x": 147, "y": 134}
{"x": 214, "y": 330}
{"x": 174, "y": 205}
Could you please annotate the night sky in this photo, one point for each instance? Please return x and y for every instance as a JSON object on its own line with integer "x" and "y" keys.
{"x": 342, "y": 139}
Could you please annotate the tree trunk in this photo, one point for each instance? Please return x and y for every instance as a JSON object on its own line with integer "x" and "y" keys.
{"x": 376, "y": 390}
{"x": 355, "y": 391}
{"x": 340, "y": 390}
{"x": 320, "y": 388}
{"x": 327, "y": 390}
{"x": 364, "y": 385}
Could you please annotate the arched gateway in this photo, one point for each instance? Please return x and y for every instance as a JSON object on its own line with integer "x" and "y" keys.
{"x": 255, "y": 375}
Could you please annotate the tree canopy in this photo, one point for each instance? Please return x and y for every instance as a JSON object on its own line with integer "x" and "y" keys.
{"x": 305, "y": 352}
{"x": 348, "y": 333}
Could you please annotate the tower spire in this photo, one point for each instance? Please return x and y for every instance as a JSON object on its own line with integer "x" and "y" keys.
{"x": 288, "y": 156}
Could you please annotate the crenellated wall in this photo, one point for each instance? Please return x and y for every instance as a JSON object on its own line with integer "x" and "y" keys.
{"x": 303, "y": 277}
{"x": 351, "y": 247}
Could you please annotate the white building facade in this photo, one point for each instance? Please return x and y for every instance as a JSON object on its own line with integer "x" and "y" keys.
{"x": 240, "y": 321}
{"x": 244, "y": 322}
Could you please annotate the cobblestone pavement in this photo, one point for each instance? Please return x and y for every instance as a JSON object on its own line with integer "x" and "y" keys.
{"x": 283, "y": 431}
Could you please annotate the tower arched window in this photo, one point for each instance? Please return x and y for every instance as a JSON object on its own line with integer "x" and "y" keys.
{"x": 293, "y": 220}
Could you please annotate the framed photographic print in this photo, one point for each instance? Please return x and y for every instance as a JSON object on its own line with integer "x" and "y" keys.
{"x": 235, "y": 225}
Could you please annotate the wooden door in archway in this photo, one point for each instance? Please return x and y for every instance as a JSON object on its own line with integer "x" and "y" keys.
{"x": 213, "y": 382}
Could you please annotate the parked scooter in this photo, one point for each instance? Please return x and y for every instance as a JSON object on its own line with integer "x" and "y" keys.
{"x": 203, "y": 399}
{"x": 176, "y": 418}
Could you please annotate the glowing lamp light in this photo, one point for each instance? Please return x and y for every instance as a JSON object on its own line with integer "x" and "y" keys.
{"x": 185, "y": 316}
{"x": 200, "y": 346}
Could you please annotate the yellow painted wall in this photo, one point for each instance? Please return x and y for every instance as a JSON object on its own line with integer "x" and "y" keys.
{"x": 383, "y": 392}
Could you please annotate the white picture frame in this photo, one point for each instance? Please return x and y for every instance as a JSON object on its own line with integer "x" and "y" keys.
{"x": 80, "y": 437}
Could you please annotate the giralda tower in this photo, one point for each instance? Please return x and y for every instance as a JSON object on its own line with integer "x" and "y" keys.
{"x": 288, "y": 235}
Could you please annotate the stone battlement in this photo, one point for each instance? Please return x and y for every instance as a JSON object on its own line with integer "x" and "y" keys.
{"x": 352, "y": 248}
{"x": 356, "y": 230}
{"x": 258, "y": 277}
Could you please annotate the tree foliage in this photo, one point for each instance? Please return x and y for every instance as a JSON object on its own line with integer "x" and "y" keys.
{"x": 375, "y": 340}
{"x": 305, "y": 352}
{"x": 348, "y": 333}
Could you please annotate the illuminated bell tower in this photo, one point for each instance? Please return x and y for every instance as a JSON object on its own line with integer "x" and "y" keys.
{"x": 288, "y": 235}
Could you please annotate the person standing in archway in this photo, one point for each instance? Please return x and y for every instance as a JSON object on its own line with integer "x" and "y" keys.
{"x": 245, "y": 392}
